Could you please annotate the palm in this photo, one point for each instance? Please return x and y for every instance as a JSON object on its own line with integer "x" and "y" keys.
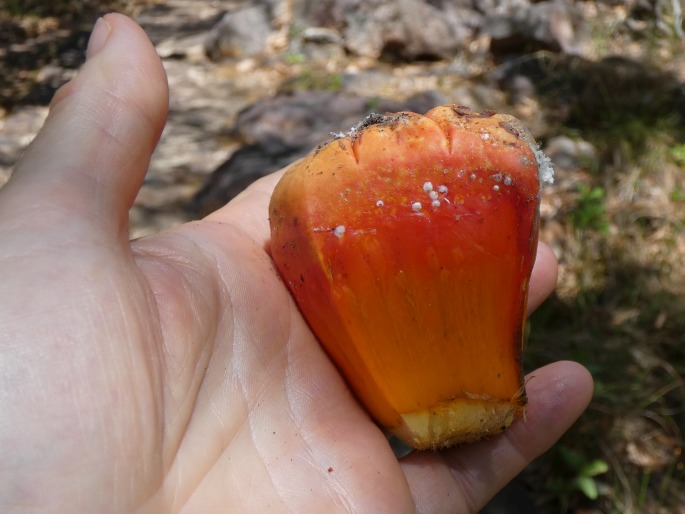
{"x": 175, "y": 374}
{"x": 263, "y": 419}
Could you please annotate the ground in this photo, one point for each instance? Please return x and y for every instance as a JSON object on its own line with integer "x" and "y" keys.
{"x": 615, "y": 216}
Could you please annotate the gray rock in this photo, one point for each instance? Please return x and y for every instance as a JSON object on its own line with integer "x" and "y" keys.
{"x": 251, "y": 28}
{"x": 319, "y": 45}
{"x": 321, "y": 35}
{"x": 524, "y": 27}
{"x": 571, "y": 154}
{"x": 402, "y": 30}
{"x": 398, "y": 30}
{"x": 278, "y": 130}
{"x": 240, "y": 34}
{"x": 306, "y": 118}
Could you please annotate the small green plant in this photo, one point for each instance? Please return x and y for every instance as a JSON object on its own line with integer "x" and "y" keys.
{"x": 313, "y": 79}
{"x": 578, "y": 474}
{"x": 589, "y": 212}
{"x": 373, "y": 103}
{"x": 677, "y": 195}
{"x": 295, "y": 58}
{"x": 678, "y": 154}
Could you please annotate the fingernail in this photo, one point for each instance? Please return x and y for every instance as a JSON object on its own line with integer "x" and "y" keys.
{"x": 98, "y": 37}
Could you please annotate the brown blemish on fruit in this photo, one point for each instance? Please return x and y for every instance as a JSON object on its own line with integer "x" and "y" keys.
{"x": 462, "y": 110}
{"x": 511, "y": 128}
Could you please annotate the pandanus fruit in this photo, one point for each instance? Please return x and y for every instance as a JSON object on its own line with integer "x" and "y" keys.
{"x": 408, "y": 245}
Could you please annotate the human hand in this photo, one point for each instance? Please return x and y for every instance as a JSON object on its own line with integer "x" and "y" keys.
{"x": 174, "y": 373}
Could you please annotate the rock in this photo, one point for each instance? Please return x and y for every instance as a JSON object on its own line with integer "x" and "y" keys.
{"x": 555, "y": 25}
{"x": 250, "y": 29}
{"x": 571, "y": 154}
{"x": 520, "y": 88}
{"x": 306, "y": 118}
{"x": 246, "y": 165}
{"x": 239, "y": 34}
{"x": 464, "y": 16}
{"x": 402, "y": 30}
{"x": 188, "y": 47}
{"x": 321, "y": 35}
{"x": 319, "y": 45}
{"x": 278, "y": 130}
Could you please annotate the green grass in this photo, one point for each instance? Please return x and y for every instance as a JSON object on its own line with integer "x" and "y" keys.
{"x": 314, "y": 79}
{"x": 589, "y": 212}
{"x": 621, "y": 312}
{"x": 620, "y": 305}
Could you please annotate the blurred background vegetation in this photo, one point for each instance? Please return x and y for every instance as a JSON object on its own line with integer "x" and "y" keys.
{"x": 615, "y": 217}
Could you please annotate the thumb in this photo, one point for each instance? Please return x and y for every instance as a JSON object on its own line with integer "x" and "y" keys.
{"x": 88, "y": 161}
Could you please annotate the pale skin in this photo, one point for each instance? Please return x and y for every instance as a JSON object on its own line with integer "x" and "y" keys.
{"x": 174, "y": 373}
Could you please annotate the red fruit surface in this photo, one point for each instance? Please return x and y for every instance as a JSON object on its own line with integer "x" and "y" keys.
{"x": 408, "y": 245}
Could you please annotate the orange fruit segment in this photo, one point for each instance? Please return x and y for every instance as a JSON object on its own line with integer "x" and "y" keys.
{"x": 408, "y": 245}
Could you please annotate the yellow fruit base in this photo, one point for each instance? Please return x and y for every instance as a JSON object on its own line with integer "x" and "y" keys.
{"x": 463, "y": 420}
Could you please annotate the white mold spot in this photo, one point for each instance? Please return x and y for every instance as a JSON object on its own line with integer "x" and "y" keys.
{"x": 485, "y": 136}
{"x": 433, "y": 195}
{"x": 339, "y": 231}
{"x": 435, "y": 204}
{"x": 497, "y": 177}
{"x": 457, "y": 217}
{"x": 495, "y": 187}
{"x": 416, "y": 206}
{"x": 545, "y": 168}
{"x": 380, "y": 203}
{"x": 442, "y": 189}
{"x": 473, "y": 176}
{"x": 508, "y": 181}
{"x": 427, "y": 186}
